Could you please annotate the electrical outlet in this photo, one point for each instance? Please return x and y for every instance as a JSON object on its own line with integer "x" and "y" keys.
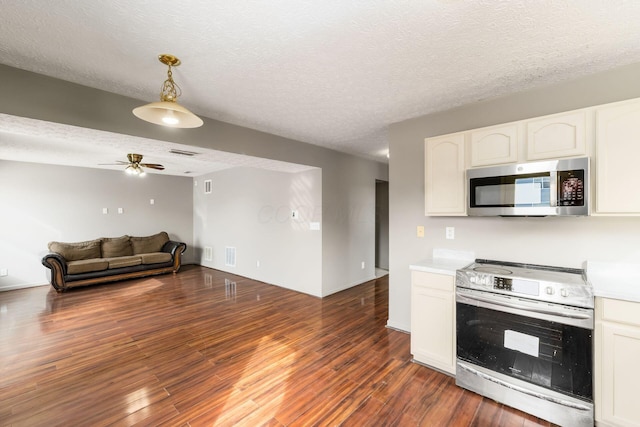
{"x": 120, "y": 210}
{"x": 420, "y": 231}
{"x": 105, "y": 210}
{"x": 258, "y": 264}
{"x": 152, "y": 202}
{"x": 450, "y": 233}
{"x": 4, "y": 272}
{"x": 362, "y": 265}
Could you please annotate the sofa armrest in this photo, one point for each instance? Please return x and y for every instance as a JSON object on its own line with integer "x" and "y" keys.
{"x": 172, "y": 246}
{"x": 175, "y": 249}
{"x": 58, "y": 266}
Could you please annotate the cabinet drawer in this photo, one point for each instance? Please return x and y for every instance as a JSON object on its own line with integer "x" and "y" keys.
{"x": 619, "y": 311}
{"x": 441, "y": 282}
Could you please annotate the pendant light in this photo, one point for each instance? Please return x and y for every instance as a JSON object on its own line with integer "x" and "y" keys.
{"x": 167, "y": 112}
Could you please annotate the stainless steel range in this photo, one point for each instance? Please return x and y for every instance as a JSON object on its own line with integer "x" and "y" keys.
{"x": 524, "y": 338}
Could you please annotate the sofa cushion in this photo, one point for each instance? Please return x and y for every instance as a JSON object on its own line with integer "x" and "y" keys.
{"x": 77, "y": 251}
{"x": 116, "y": 246}
{"x": 87, "y": 265}
{"x": 148, "y": 244}
{"x": 124, "y": 261}
{"x": 155, "y": 257}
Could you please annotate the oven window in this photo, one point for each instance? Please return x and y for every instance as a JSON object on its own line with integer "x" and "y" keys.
{"x": 545, "y": 353}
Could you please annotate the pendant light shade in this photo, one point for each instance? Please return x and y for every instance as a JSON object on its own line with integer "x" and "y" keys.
{"x": 167, "y": 111}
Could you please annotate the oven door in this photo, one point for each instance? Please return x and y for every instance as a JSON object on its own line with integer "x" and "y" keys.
{"x": 547, "y": 345}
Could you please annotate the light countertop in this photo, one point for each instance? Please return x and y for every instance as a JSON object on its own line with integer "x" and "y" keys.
{"x": 444, "y": 262}
{"x": 615, "y": 280}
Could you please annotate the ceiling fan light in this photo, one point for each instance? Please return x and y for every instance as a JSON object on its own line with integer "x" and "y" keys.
{"x": 167, "y": 113}
{"x": 130, "y": 170}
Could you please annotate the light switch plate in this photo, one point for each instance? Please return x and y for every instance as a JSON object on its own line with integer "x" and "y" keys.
{"x": 420, "y": 231}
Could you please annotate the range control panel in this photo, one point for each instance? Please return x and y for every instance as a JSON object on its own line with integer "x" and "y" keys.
{"x": 539, "y": 290}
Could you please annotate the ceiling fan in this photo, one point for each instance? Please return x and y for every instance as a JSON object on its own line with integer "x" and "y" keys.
{"x": 134, "y": 167}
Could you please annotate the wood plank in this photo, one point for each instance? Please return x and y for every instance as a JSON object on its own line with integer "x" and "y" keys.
{"x": 184, "y": 351}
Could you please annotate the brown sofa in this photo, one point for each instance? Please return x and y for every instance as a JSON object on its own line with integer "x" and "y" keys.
{"x": 110, "y": 259}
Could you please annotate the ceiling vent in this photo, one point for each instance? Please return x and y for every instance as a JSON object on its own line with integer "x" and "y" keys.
{"x": 183, "y": 152}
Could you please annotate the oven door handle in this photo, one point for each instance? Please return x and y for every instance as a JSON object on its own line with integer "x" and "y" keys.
{"x": 523, "y": 390}
{"x": 495, "y": 301}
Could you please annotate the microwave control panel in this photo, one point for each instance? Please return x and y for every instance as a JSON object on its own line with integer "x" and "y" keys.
{"x": 571, "y": 188}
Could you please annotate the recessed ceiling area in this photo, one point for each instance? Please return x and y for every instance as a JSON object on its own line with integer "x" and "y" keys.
{"x": 37, "y": 141}
{"x": 329, "y": 73}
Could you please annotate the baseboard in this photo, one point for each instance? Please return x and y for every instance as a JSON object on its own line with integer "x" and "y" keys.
{"x": 398, "y": 327}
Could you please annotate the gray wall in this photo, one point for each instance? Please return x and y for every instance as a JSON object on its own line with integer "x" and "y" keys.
{"x": 348, "y": 182}
{"x": 565, "y": 242}
{"x": 251, "y": 210}
{"x": 41, "y": 203}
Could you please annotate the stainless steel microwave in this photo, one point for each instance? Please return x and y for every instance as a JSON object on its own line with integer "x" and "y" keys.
{"x": 549, "y": 188}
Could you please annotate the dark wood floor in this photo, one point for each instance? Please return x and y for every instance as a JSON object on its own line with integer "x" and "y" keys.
{"x": 207, "y": 348}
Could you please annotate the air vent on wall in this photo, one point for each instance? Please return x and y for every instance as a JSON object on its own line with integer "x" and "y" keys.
{"x": 183, "y": 152}
{"x": 229, "y": 256}
{"x": 208, "y": 253}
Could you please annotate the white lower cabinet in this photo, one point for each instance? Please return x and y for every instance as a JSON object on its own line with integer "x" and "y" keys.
{"x": 617, "y": 363}
{"x": 433, "y": 332}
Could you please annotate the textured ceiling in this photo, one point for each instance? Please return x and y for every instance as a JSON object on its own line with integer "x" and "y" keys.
{"x": 333, "y": 73}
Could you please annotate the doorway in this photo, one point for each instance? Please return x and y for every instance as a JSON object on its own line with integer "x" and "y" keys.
{"x": 382, "y": 228}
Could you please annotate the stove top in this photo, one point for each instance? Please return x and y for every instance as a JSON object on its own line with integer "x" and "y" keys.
{"x": 529, "y": 271}
{"x": 545, "y": 283}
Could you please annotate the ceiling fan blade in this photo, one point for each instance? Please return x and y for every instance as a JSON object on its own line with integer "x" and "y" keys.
{"x": 152, "y": 166}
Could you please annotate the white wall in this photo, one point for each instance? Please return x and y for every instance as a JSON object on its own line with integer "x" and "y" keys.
{"x": 251, "y": 210}
{"x": 566, "y": 242}
{"x": 41, "y": 203}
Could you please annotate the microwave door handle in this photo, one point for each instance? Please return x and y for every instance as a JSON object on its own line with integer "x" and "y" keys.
{"x": 523, "y": 307}
{"x": 553, "y": 189}
{"x": 523, "y": 390}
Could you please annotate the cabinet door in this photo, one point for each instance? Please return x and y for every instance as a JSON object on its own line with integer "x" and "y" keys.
{"x": 559, "y": 135}
{"x": 495, "y": 145}
{"x": 620, "y": 375}
{"x": 617, "y": 154}
{"x": 433, "y": 321}
{"x": 444, "y": 175}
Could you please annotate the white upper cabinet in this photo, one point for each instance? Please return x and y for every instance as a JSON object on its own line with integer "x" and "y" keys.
{"x": 445, "y": 175}
{"x": 558, "y": 135}
{"x": 494, "y": 145}
{"x": 617, "y": 154}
